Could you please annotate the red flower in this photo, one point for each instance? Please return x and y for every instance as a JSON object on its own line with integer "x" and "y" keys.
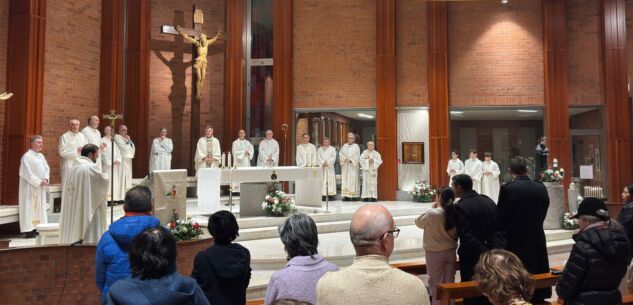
{"x": 196, "y": 226}
{"x": 172, "y": 224}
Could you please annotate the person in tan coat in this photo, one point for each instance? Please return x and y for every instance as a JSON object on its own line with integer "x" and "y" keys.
{"x": 370, "y": 279}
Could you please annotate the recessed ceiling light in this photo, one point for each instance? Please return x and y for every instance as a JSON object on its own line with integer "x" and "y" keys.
{"x": 504, "y": 1}
{"x": 457, "y": 112}
{"x": 367, "y": 116}
{"x": 527, "y": 111}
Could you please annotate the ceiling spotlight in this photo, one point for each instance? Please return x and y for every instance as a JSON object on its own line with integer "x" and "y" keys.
{"x": 504, "y": 1}
{"x": 457, "y": 112}
{"x": 527, "y": 111}
{"x": 367, "y": 116}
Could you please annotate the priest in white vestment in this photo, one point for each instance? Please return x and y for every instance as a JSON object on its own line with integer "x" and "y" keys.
{"x": 34, "y": 175}
{"x": 160, "y": 156}
{"x": 370, "y": 161}
{"x": 490, "y": 181}
{"x": 208, "y": 151}
{"x": 349, "y": 157}
{"x": 243, "y": 152}
{"x": 108, "y": 162}
{"x": 83, "y": 215}
{"x": 268, "y": 152}
{"x": 70, "y": 145}
{"x": 306, "y": 152}
{"x": 93, "y": 135}
{"x": 127, "y": 149}
{"x": 326, "y": 157}
{"x": 455, "y": 166}
{"x": 474, "y": 168}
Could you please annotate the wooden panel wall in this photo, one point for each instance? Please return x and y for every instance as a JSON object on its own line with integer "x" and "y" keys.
{"x": 386, "y": 98}
{"x": 618, "y": 112}
{"x": 25, "y": 73}
{"x": 282, "y": 74}
{"x": 234, "y": 72}
{"x": 438, "y": 92}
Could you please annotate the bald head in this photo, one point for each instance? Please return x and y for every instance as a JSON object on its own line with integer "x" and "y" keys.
{"x": 369, "y": 230}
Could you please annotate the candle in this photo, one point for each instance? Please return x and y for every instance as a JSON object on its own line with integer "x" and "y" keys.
{"x": 222, "y": 160}
{"x": 229, "y": 162}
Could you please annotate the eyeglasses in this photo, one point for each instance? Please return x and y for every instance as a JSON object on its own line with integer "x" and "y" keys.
{"x": 395, "y": 232}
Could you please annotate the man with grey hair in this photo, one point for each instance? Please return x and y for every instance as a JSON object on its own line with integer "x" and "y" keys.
{"x": 598, "y": 261}
{"x": 34, "y": 175}
{"x": 70, "y": 145}
{"x": 370, "y": 279}
{"x": 93, "y": 135}
{"x": 127, "y": 149}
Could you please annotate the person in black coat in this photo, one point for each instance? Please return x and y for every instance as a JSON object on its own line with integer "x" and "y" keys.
{"x": 522, "y": 207}
{"x": 626, "y": 214}
{"x": 223, "y": 270}
{"x": 475, "y": 217}
{"x": 597, "y": 262}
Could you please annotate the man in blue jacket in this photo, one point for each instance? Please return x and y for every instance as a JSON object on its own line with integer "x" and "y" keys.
{"x": 112, "y": 251}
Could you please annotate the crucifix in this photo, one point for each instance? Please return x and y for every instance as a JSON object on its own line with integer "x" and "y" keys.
{"x": 112, "y": 117}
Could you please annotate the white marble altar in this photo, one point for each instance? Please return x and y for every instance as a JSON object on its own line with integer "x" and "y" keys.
{"x": 556, "y": 206}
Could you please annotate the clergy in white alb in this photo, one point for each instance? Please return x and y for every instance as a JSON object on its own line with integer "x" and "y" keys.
{"x": 348, "y": 157}
{"x": 160, "y": 156}
{"x": 108, "y": 163}
{"x": 268, "y": 152}
{"x": 70, "y": 145}
{"x": 34, "y": 175}
{"x": 243, "y": 152}
{"x": 474, "y": 168}
{"x": 326, "y": 157}
{"x": 93, "y": 135}
{"x": 306, "y": 152}
{"x": 490, "y": 181}
{"x": 208, "y": 151}
{"x": 83, "y": 215}
{"x": 455, "y": 165}
{"x": 127, "y": 149}
{"x": 370, "y": 161}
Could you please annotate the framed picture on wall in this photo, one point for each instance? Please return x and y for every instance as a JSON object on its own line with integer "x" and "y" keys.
{"x": 413, "y": 152}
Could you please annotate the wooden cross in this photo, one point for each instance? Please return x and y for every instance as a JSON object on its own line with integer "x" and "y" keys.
{"x": 198, "y": 20}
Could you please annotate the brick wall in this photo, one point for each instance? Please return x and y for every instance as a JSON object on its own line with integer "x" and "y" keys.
{"x": 495, "y": 53}
{"x": 411, "y": 60}
{"x": 4, "y": 31}
{"x": 171, "y": 75}
{"x": 584, "y": 52}
{"x": 334, "y": 53}
{"x": 71, "y": 70}
{"x": 36, "y": 275}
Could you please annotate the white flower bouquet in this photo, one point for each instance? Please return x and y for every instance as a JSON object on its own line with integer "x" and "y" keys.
{"x": 278, "y": 202}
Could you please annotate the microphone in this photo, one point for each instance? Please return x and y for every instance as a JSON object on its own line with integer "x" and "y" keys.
{"x": 81, "y": 241}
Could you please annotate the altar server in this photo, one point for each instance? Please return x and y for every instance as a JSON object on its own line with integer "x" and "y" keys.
{"x": 306, "y": 152}
{"x": 490, "y": 181}
{"x": 370, "y": 161}
{"x": 455, "y": 165}
{"x": 34, "y": 175}
{"x": 160, "y": 157}
{"x": 326, "y": 157}
{"x": 474, "y": 168}
{"x": 268, "y": 151}
{"x": 348, "y": 157}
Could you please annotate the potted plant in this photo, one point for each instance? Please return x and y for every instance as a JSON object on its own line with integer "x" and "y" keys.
{"x": 278, "y": 203}
{"x": 423, "y": 192}
{"x": 183, "y": 229}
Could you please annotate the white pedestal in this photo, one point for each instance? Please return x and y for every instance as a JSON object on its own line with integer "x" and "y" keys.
{"x": 556, "y": 204}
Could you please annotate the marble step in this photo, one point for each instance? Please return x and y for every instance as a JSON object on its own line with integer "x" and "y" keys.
{"x": 260, "y": 278}
{"x": 322, "y": 227}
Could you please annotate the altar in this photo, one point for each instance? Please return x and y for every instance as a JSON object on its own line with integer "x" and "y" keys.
{"x": 307, "y": 180}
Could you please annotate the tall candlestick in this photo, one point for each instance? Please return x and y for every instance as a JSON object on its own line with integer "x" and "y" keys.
{"x": 229, "y": 160}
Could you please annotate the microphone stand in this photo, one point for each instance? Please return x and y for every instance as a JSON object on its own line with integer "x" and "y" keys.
{"x": 327, "y": 189}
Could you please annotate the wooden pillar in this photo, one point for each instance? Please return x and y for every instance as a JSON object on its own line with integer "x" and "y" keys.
{"x": 111, "y": 57}
{"x": 25, "y": 79}
{"x": 386, "y": 116}
{"x": 136, "y": 82}
{"x": 438, "y": 92}
{"x": 556, "y": 92}
{"x": 617, "y": 108}
{"x": 282, "y": 76}
{"x": 234, "y": 72}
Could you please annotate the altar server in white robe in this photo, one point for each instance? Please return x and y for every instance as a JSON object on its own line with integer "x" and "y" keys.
{"x": 34, "y": 175}
{"x": 108, "y": 163}
{"x": 243, "y": 152}
{"x": 306, "y": 152}
{"x": 490, "y": 181}
{"x": 326, "y": 157}
{"x": 268, "y": 153}
{"x": 455, "y": 165}
{"x": 349, "y": 157}
{"x": 208, "y": 151}
{"x": 127, "y": 149}
{"x": 370, "y": 161}
{"x": 93, "y": 135}
{"x": 160, "y": 156}
{"x": 474, "y": 168}
{"x": 83, "y": 215}
{"x": 70, "y": 145}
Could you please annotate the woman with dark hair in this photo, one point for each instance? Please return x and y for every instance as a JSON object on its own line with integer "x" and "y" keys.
{"x": 439, "y": 240}
{"x": 154, "y": 279}
{"x": 503, "y": 279}
{"x": 626, "y": 215}
{"x": 223, "y": 270}
{"x": 305, "y": 266}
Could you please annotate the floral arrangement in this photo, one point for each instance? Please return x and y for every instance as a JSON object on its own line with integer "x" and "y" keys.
{"x": 423, "y": 192}
{"x": 278, "y": 202}
{"x": 553, "y": 174}
{"x": 183, "y": 229}
{"x": 568, "y": 222}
